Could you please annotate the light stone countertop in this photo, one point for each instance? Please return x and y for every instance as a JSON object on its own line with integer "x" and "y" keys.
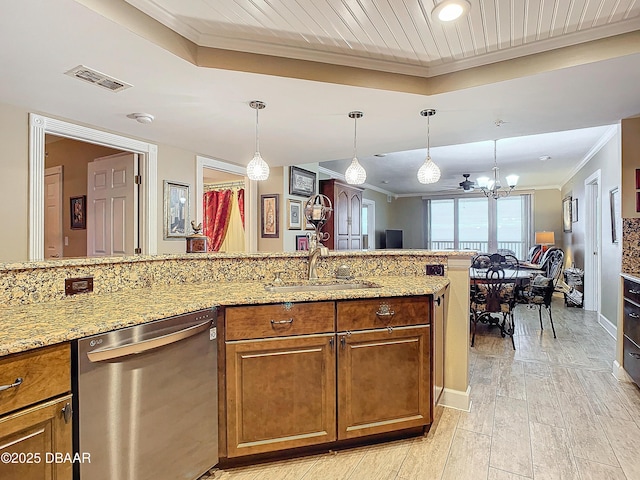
{"x": 635, "y": 277}
{"x": 26, "y": 327}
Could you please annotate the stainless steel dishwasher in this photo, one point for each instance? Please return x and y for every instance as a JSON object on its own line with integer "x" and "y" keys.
{"x": 147, "y": 400}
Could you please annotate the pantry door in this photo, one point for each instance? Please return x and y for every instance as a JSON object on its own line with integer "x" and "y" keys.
{"x": 112, "y": 205}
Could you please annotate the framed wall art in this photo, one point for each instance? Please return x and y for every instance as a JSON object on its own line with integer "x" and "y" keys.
{"x": 302, "y": 242}
{"x": 176, "y": 209}
{"x": 616, "y": 215}
{"x": 566, "y": 214}
{"x": 301, "y": 182}
{"x": 574, "y": 210}
{"x": 294, "y": 214}
{"x": 269, "y": 215}
{"x": 78, "y": 212}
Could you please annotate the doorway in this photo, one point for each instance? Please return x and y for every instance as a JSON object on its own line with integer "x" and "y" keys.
{"x": 592, "y": 257}
{"x": 39, "y": 126}
{"x": 368, "y": 224}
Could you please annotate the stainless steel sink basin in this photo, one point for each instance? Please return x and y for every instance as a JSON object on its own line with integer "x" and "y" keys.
{"x": 318, "y": 285}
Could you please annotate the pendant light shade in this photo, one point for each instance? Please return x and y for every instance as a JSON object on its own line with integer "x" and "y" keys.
{"x": 429, "y": 172}
{"x": 257, "y": 169}
{"x": 355, "y": 174}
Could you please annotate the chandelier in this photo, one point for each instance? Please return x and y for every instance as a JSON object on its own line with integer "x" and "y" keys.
{"x": 491, "y": 187}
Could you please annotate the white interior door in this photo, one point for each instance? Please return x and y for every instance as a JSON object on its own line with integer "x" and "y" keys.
{"x": 53, "y": 244}
{"x": 112, "y": 205}
{"x": 592, "y": 260}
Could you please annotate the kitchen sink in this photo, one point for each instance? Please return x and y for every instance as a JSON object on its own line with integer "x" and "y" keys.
{"x": 318, "y": 285}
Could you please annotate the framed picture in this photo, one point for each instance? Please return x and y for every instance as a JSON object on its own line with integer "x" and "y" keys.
{"x": 301, "y": 182}
{"x": 176, "y": 209}
{"x": 269, "y": 215}
{"x": 637, "y": 178}
{"x": 574, "y": 210}
{"x": 78, "y": 212}
{"x": 294, "y": 213}
{"x": 616, "y": 214}
{"x": 566, "y": 214}
{"x": 302, "y": 242}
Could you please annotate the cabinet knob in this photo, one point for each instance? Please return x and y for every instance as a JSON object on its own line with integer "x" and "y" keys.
{"x": 438, "y": 301}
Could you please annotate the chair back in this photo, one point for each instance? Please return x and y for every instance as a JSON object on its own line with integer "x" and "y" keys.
{"x": 553, "y": 264}
{"x": 493, "y": 282}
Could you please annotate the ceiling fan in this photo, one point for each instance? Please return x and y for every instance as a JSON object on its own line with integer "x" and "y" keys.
{"x": 467, "y": 185}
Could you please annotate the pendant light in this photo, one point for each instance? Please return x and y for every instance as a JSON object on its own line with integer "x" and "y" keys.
{"x": 429, "y": 171}
{"x": 257, "y": 168}
{"x": 355, "y": 174}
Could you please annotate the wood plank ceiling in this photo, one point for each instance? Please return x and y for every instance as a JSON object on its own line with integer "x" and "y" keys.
{"x": 394, "y": 35}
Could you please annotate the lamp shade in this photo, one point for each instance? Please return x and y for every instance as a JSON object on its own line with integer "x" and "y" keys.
{"x": 545, "y": 238}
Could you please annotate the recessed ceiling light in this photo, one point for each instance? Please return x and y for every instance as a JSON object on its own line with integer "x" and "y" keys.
{"x": 141, "y": 117}
{"x": 450, "y": 10}
{"x": 544, "y": 158}
{"x": 379, "y": 154}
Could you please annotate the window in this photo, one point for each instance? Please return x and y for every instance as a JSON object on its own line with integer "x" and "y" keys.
{"x": 479, "y": 223}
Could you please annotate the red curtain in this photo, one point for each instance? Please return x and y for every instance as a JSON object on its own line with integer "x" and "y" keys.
{"x": 241, "y": 205}
{"x": 217, "y": 212}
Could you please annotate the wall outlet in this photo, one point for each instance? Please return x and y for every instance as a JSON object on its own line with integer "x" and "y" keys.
{"x": 437, "y": 270}
{"x": 73, "y": 286}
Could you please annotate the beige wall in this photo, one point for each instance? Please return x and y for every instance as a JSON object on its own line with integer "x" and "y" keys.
{"x": 630, "y": 162}
{"x": 406, "y": 214}
{"x": 382, "y": 214}
{"x": 273, "y": 185}
{"x": 73, "y": 156}
{"x": 607, "y": 160}
{"x": 14, "y": 182}
{"x": 547, "y": 213}
{"x": 289, "y": 236}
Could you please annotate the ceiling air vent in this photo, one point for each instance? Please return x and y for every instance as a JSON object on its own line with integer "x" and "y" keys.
{"x": 98, "y": 78}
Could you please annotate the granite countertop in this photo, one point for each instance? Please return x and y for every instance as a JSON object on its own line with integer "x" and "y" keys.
{"x": 631, "y": 276}
{"x": 27, "y": 327}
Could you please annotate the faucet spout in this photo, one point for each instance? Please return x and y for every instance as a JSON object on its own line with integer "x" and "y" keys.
{"x": 312, "y": 270}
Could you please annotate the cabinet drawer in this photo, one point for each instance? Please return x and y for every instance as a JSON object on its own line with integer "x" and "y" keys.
{"x": 631, "y": 290}
{"x": 631, "y": 359}
{"x": 45, "y": 373}
{"x": 632, "y": 321}
{"x": 382, "y": 312}
{"x": 262, "y": 321}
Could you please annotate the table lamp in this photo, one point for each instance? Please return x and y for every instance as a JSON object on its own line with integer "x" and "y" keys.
{"x": 545, "y": 239}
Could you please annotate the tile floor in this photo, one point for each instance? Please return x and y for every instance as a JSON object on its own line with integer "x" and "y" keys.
{"x": 549, "y": 410}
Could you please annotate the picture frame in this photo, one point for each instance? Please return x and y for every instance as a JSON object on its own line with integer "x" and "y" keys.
{"x": 301, "y": 182}
{"x": 616, "y": 215}
{"x": 302, "y": 242}
{"x": 78, "y": 206}
{"x": 566, "y": 214}
{"x": 176, "y": 209}
{"x": 574, "y": 210}
{"x": 269, "y": 216}
{"x": 637, "y": 178}
{"x": 294, "y": 214}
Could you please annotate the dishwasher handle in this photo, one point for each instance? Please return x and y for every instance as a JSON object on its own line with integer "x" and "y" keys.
{"x": 104, "y": 354}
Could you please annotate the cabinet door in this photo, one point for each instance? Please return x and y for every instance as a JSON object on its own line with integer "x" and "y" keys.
{"x": 280, "y": 393}
{"x": 342, "y": 212}
{"x": 37, "y": 438}
{"x": 355, "y": 220}
{"x": 437, "y": 354}
{"x": 384, "y": 380}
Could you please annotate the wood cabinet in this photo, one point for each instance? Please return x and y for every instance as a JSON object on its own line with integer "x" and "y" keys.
{"x": 280, "y": 391}
{"x": 631, "y": 327}
{"x": 312, "y": 373}
{"x": 345, "y": 226}
{"x": 384, "y": 365}
{"x": 438, "y": 316}
{"x": 35, "y": 421}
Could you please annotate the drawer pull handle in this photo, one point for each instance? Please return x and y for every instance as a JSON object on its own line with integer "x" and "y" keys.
{"x": 634, "y": 315}
{"x": 281, "y": 322}
{"x": 634, "y": 355}
{"x": 15, "y": 384}
{"x": 67, "y": 412}
{"x": 633, "y": 291}
{"x": 384, "y": 312}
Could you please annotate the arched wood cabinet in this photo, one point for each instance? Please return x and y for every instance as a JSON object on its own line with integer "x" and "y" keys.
{"x": 345, "y": 225}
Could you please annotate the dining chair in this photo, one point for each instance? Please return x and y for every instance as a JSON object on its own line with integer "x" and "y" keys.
{"x": 492, "y": 293}
{"x": 539, "y": 292}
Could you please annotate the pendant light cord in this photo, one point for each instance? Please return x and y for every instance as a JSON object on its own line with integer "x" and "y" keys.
{"x": 355, "y": 135}
{"x": 257, "y": 132}
{"x": 428, "y": 137}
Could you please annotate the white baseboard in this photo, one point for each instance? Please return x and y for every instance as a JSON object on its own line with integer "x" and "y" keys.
{"x": 608, "y": 326}
{"x": 620, "y": 374}
{"x": 456, "y": 399}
